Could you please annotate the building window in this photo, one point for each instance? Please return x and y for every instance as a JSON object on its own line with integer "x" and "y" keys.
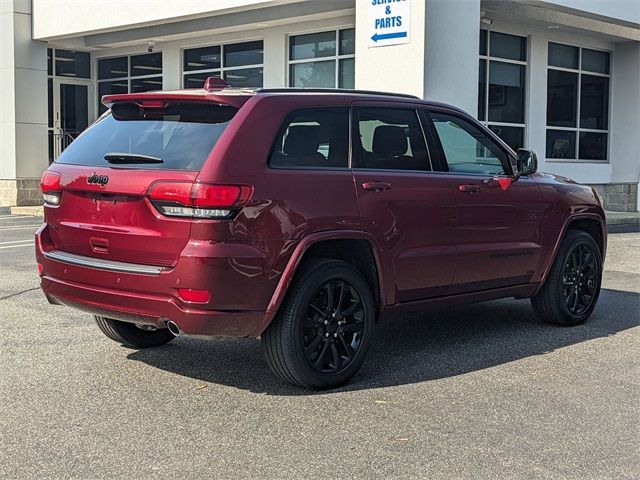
{"x": 239, "y": 64}
{"x": 501, "y": 85}
{"x": 322, "y": 60}
{"x": 129, "y": 74}
{"x": 577, "y": 103}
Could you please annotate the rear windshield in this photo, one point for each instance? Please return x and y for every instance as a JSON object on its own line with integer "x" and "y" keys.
{"x": 180, "y": 134}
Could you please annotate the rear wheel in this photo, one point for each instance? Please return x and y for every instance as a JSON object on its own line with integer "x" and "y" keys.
{"x": 571, "y": 290}
{"x": 323, "y": 330}
{"x": 132, "y": 335}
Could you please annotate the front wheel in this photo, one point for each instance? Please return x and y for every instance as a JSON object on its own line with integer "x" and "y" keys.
{"x": 571, "y": 290}
{"x": 132, "y": 335}
{"x": 323, "y": 330}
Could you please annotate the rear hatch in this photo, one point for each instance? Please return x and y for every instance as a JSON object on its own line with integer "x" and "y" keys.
{"x": 106, "y": 175}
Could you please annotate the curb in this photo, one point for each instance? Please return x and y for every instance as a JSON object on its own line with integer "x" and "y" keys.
{"x": 622, "y": 218}
{"x": 36, "y": 211}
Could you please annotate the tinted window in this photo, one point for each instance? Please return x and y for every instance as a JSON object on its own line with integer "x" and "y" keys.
{"x": 391, "y": 139}
{"x": 595, "y": 61}
{"x": 562, "y": 92}
{"x": 564, "y": 56}
{"x": 314, "y": 138}
{"x": 594, "y": 102}
{"x": 561, "y": 144}
{"x": 244, "y": 77}
{"x": 506, "y": 92}
{"x": 72, "y": 64}
{"x": 508, "y": 46}
{"x": 312, "y": 45}
{"x": 313, "y": 74}
{"x": 466, "y": 148}
{"x": 117, "y": 67}
{"x": 238, "y": 54}
{"x": 148, "y": 64}
{"x": 202, "y": 58}
{"x": 181, "y": 134}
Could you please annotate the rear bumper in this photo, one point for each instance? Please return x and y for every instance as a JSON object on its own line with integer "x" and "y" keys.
{"x": 138, "y": 298}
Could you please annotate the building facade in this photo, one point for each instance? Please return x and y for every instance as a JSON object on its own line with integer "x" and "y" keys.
{"x": 559, "y": 76}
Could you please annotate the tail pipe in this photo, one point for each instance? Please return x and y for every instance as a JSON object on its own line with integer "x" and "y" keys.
{"x": 173, "y": 328}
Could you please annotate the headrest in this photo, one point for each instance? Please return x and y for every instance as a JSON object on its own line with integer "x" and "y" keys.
{"x": 389, "y": 141}
{"x": 302, "y": 140}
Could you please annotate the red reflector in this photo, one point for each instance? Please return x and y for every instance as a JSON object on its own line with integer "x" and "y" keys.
{"x": 194, "y": 296}
{"x": 40, "y": 269}
{"x": 50, "y": 182}
{"x": 504, "y": 182}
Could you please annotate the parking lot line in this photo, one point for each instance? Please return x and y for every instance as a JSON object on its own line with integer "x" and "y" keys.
{"x": 34, "y": 227}
{"x": 17, "y": 246}
{"x": 15, "y": 241}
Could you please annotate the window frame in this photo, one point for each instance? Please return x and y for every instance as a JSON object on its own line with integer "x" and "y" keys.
{"x": 287, "y": 121}
{"x": 129, "y": 78}
{"x": 488, "y": 58}
{"x": 440, "y": 155}
{"x": 221, "y": 71}
{"x": 356, "y": 161}
{"x": 577, "y": 129}
{"x": 335, "y": 58}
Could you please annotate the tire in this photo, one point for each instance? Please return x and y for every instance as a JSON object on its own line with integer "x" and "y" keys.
{"x": 567, "y": 282}
{"x": 130, "y": 335}
{"x": 310, "y": 346}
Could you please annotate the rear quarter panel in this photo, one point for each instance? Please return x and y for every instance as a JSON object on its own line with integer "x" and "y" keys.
{"x": 287, "y": 205}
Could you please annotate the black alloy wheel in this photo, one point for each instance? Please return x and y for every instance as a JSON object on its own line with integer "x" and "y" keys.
{"x": 333, "y": 326}
{"x": 579, "y": 279}
{"x": 324, "y": 328}
{"x": 571, "y": 289}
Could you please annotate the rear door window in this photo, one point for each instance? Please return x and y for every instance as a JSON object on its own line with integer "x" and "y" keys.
{"x": 314, "y": 138}
{"x": 390, "y": 139}
{"x": 181, "y": 135}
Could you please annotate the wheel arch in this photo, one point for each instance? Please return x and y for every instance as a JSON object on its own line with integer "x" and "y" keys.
{"x": 355, "y": 247}
{"x": 592, "y": 223}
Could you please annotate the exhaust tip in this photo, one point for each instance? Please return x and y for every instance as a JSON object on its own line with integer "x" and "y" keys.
{"x": 173, "y": 328}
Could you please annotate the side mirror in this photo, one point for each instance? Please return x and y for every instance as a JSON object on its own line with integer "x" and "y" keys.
{"x": 527, "y": 162}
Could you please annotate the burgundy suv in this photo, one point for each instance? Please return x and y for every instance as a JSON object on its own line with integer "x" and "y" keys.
{"x": 304, "y": 217}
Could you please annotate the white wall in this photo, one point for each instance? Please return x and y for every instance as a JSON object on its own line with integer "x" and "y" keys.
{"x": 451, "y": 55}
{"x": 54, "y": 18}
{"x": 393, "y": 68}
{"x": 627, "y": 10}
{"x": 625, "y": 124}
{"x": 23, "y": 83}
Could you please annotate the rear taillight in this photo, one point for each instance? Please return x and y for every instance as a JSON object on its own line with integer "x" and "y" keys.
{"x": 198, "y": 200}
{"x": 51, "y": 188}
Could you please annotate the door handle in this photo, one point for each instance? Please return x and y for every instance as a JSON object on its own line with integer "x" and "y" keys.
{"x": 470, "y": 188}
{"x": 376, "y": 186}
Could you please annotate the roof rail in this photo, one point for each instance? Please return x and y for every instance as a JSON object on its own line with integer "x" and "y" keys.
{"x": 334, "y": 90}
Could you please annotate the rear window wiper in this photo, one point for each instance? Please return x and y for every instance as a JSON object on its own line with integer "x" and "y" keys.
{"x": 125, "y": 158}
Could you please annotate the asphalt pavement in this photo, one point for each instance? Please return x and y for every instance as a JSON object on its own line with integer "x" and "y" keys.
{"x": 480, "y": 391}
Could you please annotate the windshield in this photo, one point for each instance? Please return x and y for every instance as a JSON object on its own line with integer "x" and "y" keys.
{"x": 180, "y": 134}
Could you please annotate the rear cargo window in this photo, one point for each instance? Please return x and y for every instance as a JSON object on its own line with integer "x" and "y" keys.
{"x": 177, "y": 136}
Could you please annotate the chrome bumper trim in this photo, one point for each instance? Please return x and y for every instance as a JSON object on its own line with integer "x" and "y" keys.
{"x": 103, "y": 264}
